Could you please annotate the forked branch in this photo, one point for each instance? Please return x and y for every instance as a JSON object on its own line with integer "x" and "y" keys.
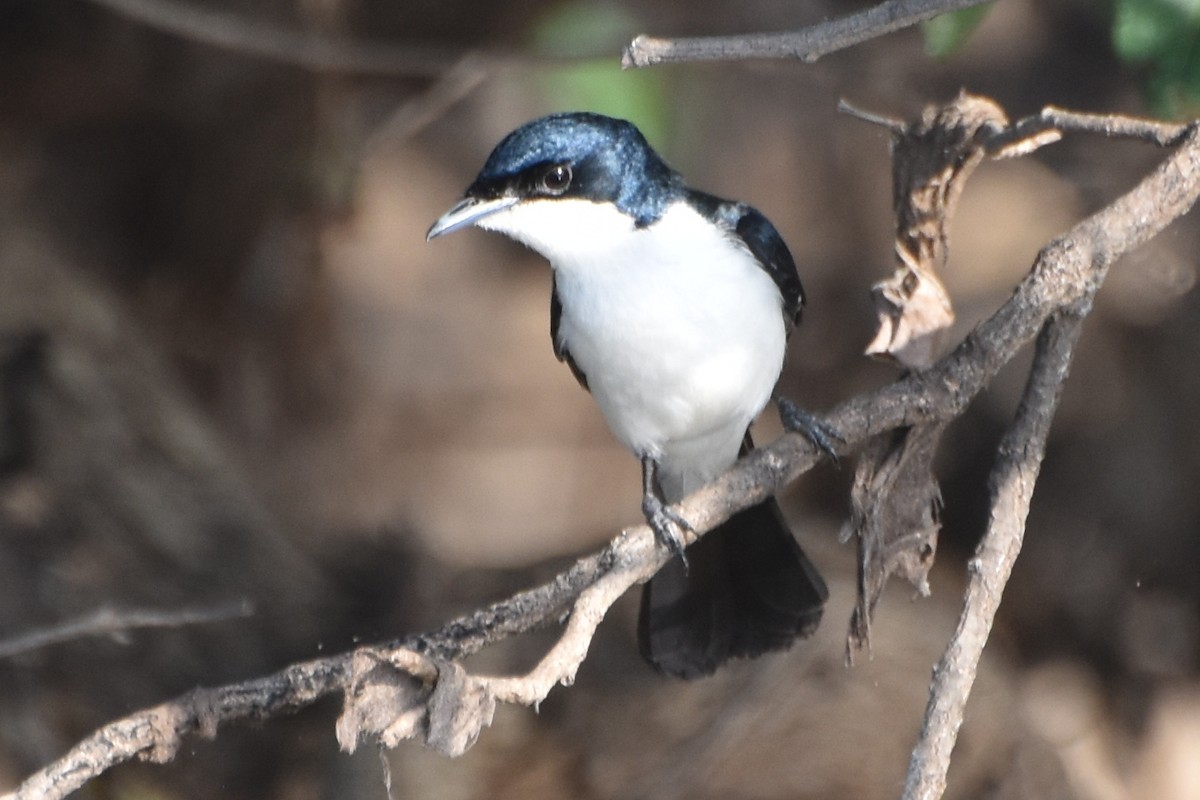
{"x": 414, "y": 687}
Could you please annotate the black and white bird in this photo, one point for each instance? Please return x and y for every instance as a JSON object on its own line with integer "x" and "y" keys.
{"x": 673, "y": 308}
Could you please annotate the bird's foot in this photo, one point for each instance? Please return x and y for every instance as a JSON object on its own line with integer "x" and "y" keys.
{"x": 668, "y": 525}
{"x": 824, "y": 437}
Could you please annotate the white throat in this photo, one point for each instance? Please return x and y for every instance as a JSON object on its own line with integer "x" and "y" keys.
{"x": 677, "y": 327}
{"x": 566, "y": 231}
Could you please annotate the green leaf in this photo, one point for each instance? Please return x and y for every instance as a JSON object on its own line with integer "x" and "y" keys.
{"x": 1165, "y": 36}
{"x": 944, "y": 34}
{"x": 599, "y": 84}
{"x": 1146, "y": 29}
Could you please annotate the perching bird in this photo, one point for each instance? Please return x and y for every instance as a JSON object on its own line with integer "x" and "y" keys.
{"x": 673, "y": 308}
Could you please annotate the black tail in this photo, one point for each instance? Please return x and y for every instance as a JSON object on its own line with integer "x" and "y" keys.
{"x": 750, "y": 590}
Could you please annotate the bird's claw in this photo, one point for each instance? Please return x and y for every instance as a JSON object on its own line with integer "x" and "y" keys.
{"x": 824, "y": 437}
{"x": 668, "y": 526}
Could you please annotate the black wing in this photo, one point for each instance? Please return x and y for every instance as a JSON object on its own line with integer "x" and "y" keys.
{"x": 764, "y": 243}
{"x": 560, "y": 348}
{"x": 767, "y": 246}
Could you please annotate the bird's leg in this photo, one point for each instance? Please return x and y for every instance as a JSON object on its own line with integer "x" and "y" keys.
{"x": 668, "y": 526}
{"x": 823, "y": 436}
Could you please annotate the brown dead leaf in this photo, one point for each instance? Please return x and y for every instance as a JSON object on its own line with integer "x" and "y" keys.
{"x": 914, "y": 317}
{"x": 383, "y": 702}
{"x": 895, "y": 498}
{"x": 895, "y": 504}
{"x": 931, "y": 161}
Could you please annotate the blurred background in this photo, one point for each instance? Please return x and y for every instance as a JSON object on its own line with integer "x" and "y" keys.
{"x": 232, "y": 370}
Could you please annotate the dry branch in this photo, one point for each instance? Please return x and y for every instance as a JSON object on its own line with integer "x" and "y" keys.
{"x": 1011, "y": 482}
{"x": 1064, "y": 280}
{"x": 807, "y": 44}
{"x": 413, "y": 688}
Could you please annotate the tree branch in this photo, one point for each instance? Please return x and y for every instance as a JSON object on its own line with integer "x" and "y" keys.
{"x": 116, "y": 623}
{"x": 412, "y": 688}
{"x": 1011, "y": 482}
{"x": 309, "y": 51}
{"x": 807, "y": 44}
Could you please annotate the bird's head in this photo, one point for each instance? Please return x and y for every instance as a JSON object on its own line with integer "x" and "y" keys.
{"x": 566, "y": 182}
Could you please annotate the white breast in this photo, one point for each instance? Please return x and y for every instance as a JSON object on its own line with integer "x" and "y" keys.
{"x": 679, "y": 331}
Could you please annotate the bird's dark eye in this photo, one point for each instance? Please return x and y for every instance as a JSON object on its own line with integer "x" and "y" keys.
{"x": 557, "y": 179}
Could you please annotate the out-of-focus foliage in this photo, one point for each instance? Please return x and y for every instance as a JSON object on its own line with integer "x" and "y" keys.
{"x": 946, "y": 33}
{"x": 600, "y": 84}
{"x": 1160, "y": 36}
{"x": 1165, "y": 36}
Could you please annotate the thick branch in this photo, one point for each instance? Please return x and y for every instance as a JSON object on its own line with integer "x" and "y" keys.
{"x": 807, "y": 44}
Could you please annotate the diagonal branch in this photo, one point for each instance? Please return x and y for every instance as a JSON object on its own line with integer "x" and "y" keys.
{"x": 1018, "y": 462}
{"x": 320, "y": 53}
{"x": 412, "y": 687}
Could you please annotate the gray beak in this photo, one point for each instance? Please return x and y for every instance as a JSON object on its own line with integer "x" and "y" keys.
{"x": 468, "y": 211}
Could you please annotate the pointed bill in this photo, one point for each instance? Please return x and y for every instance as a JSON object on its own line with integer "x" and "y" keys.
{"x": 468, "y": 211}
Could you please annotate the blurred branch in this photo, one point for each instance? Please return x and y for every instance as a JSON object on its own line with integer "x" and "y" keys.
{"x": 414, "y": 688}
{"x": 116, "y": 623}
{"x": 419, "y": 111}
{"x": 320, "y": 54}
{"x": 807, "y": 44}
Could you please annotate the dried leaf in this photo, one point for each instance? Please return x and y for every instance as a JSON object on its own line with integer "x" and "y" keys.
{"x": 461, "y": 707}
{"x": 931, "y": 160}
{"x": 895, "y": 499}
{"x": 383, "y": 702}
{"x": 914, "y": 317}
{"x": 895, "y": 504}
{"x": 408, "y": 696}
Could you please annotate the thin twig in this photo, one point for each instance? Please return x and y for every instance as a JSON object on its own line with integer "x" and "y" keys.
{"x": 450, "y": 87}
{"x": 115, "y": 623}
{"x": 893, "y": 124}
{"x": 1117, "y": 126}
{"x": 807, "y": 44}
{"x": 1049, "y": 126}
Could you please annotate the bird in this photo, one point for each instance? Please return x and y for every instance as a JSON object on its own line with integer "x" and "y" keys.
{"x": 672, "y": 307}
